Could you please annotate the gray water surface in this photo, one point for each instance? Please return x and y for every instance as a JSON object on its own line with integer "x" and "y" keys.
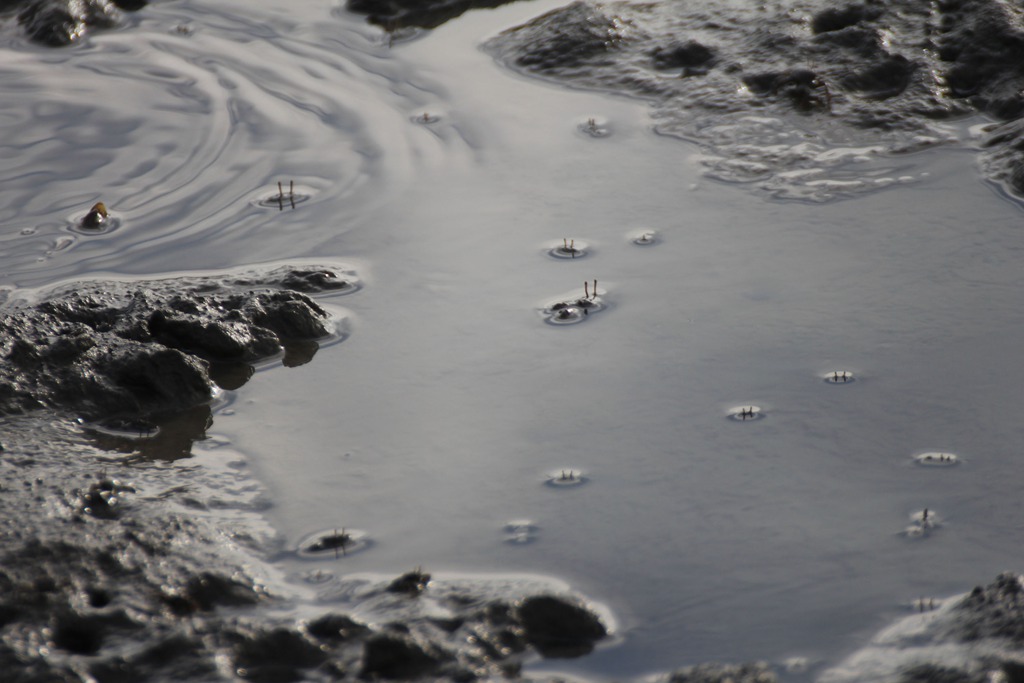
{"x": 439, "y": 419}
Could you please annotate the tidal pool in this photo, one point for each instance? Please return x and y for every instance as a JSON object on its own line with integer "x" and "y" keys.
{"x": 451, "y": 401}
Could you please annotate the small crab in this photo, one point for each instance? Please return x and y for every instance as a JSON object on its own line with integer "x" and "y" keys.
{"x": 333, "y": 542}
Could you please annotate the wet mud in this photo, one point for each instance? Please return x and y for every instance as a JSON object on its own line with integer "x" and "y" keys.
{"x": 398, "y": 14}
{"x": 107, "y": 350}
{"x": 974, "y": 637}
{"x": 113, "y": 570}
{"x": 122, "y": 561}
{"x": 57, "y": 23}
{"x": 801, "y": 100}
{"x": 720, "y": 673}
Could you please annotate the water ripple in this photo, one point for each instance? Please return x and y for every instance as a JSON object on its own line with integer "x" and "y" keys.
{"x": 194, "y": 125}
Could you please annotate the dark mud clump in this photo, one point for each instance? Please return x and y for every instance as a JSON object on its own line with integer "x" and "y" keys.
{"x": 61, "y": 22}
{"x": 579, "y": 37}
{"x": 410, "y": 583}
{"x": 558, "y": 628}
{"x": 157, "y": 593}
{"x": 110, "y": 349}
{"x": 396, "y": 656}
{"x": 724, "y": 673}
{"x": 89, "y": 587}
{"x": 396, "y": 14}
{"x": 977, "y": 637}
{"x": 932, "y": 673}
{"x": 992, "y": 611}
{"x": 1002, "y": 156}
{"x": 804, "y": 100}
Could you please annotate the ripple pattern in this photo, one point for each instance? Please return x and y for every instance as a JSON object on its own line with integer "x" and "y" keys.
{"x": 199, "y": 120}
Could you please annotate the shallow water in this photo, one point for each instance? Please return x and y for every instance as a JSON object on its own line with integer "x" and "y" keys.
{"x": 440, "y": 418}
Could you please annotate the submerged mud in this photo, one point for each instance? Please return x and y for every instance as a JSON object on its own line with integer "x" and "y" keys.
{"x": 799, "y": 99}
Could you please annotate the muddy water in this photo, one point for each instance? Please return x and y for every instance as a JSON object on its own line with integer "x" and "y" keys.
{"x": 442, "y": 416}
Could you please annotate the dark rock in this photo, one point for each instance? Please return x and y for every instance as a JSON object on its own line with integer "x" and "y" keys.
{"x": 559, "y": 628}
{"x": 392, "y": 656}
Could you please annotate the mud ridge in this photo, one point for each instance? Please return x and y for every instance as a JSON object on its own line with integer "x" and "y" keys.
{"x": 57, "y": 23}
{"x": 140, "y": 349}
{"x": 801, "y": 100}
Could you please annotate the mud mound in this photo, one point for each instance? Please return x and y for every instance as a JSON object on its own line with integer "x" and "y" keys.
{"x": 397, "y": 14}
{"x": 168, "y": 589}
{"x": 800, "y": 100}
{"x": 974, "y": 637}
{"x": 110, "y": 349}
{"x": 61, "y": 22}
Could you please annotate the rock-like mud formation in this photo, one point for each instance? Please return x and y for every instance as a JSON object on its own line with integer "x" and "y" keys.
{"x": 117, "y": 349}
{"x": 113, "y": 572}
{"x": 725, "y": 673}
{"x": 972, "y": 638}
{"x": 61, "y": 22}
{"x": 803, "y": 100}
{"x": 117, "y": 568}
{"x": 397, "y": 14}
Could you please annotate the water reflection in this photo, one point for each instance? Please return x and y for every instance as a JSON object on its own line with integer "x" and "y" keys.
{"x": 165, "y": 437}
{"x": 220, "y": 119}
